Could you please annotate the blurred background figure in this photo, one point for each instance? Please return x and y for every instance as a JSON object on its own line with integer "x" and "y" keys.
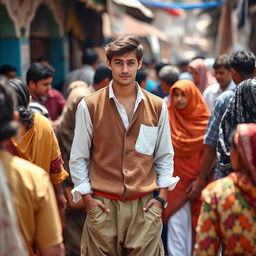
{"x": 200, "y": 74}
{"x": 11, "y": 240}
{"x": 183, "y": 65}
{"x": 222, "y": 71}
{"x": 228, "y": 217}
{"x": 8, "y": 71}
{"x": 37, "y": 143}
{"x": 31, "y": 192}
{"x": 141, "y": 78}
{"x": 39, "y": 79}
{"x": 188, "y": 117}
{"x": 157, "y": 90}
{"x": 85, "y": 73}
{"x": 242, "y": 109}
{"x": 168, "y": 75}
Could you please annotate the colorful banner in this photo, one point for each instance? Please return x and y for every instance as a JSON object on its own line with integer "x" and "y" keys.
{"x": 185, "y": 6}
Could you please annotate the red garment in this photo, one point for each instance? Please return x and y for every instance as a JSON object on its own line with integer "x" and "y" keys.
{"x": 245, "y": 140}
{"x": 188, "y": 126}
{"x": 54, "y": 103}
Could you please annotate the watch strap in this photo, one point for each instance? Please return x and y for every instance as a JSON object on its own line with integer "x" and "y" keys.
{"x": 161, "y": 200}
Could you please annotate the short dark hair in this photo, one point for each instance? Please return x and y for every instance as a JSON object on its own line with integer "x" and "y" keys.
{"x": 90, "y": 56}
{"x": 102, "y": 72}
{"x": 5, "y": 69}
{"x": 23, "y": 95}
{"x": 182, "y": 62}
{"x": 169, "y": 74}
{"x": 37, "y": 72}
{"x": 243, "y": 62}
{"x": 159, "y": 66}
{"x": 222, "y": 61}
{"x": 141, "y": 75}
{"x": 8, "y": 127}
{"x": 42, "y": 58}
{"x": 121, "y": 45}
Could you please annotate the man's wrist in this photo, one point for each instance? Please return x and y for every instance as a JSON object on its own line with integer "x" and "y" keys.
{"x": 162, "y": 192}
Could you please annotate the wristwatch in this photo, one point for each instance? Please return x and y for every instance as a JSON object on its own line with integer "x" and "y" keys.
{"x": 162, "y": 201}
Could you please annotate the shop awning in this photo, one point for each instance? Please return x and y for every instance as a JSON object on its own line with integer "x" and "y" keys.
{"x": 136, "y": 9}
{"x": 132, "y": 7}
{"x": 132, "y": 26}
{"x": 186, "y": 6}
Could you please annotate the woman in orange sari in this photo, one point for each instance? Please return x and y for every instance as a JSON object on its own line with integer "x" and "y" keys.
{"x": 38, "y": 143}
{"x": 188, "y": 117}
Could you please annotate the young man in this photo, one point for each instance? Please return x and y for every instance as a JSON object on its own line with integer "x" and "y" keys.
{"x": 39, "y": 80}
{"x": 31, "y": 190}
{"x": 121, "y": 152}
{"x": 75, "y": 214}
{"x": 242, "y": 68}
{"x": 222, "y": 71}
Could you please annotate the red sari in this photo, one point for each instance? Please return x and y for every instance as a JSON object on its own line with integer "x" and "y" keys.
{"x": 188, "y": 127}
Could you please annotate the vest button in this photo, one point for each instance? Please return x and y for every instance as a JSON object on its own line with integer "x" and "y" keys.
{"x": 126, "y": 153}
{"x": 125, "y": 171}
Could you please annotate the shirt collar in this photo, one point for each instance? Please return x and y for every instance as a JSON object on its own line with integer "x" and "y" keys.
{"x": 140, "y": 94}
{"x": 231, "y": 85}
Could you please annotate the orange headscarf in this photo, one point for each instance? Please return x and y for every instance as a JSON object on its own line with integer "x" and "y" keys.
{"x": 188, "y": 125}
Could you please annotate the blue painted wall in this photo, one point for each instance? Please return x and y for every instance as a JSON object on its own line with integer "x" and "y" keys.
{"x": 58, "y": 60}
{"x": 10, "y": 53}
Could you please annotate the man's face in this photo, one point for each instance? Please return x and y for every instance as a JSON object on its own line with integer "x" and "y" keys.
{"x": 124, "y": 68}
{"x": 223, "y": 77}
{"x": 164, "y": 86}
{"x": 11, "y": 74}
{"x": 40, "y": 88}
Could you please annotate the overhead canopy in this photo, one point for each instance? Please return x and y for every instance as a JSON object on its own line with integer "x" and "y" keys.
{"x": 132, "y": 7}
{"x": 186, "y": 6}
{"x": 132, "y": 26}
{"x": 136, "y": 9}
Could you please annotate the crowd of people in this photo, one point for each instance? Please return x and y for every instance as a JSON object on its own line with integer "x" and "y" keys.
{"x": 129, "y": 159}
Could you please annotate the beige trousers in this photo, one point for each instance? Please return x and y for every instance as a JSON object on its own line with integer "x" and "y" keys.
{"x": 126, "y": 230}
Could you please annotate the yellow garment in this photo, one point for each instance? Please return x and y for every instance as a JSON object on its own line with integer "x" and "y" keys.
{"x": 39, "y": 145}
{"x": 34, "y": 201}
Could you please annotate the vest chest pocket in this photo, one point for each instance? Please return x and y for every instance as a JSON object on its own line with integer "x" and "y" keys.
{"x": 146, "y": 141}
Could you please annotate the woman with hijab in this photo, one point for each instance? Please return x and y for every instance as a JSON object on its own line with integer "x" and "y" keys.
{"x": 228, "y": 213}
{"x": 38, "y": 143}
{"x": 242, "y": 109}
{"x": 200, "y": 74}
{"x": 188, "y": 117}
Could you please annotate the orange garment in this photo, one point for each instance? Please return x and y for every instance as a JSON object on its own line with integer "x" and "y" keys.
{"x": 40, "y": 146}
{"x": 188, "y": 126}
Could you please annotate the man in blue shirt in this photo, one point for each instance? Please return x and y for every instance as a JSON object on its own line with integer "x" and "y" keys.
{"x": 237, "y": 60}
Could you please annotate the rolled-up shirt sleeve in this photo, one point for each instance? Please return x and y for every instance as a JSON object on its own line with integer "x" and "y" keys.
{"x": 80, "y": 152}
{"x": 163, "y": 160}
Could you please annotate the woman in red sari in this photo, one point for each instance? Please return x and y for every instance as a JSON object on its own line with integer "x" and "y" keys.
{"x": 228, "y": 213}
{"x": 188, "y": 117}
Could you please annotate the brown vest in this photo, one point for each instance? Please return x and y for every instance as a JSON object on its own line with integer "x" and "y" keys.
{"x": 115, "y": 166}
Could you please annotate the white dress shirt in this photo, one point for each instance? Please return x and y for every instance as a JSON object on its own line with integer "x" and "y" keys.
{"x": 80, "y": 151}
{"x": 211, "y": 93}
